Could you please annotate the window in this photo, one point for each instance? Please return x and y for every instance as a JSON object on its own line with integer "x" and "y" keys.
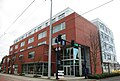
{"x": 110, "y": 48}
{"x": 111, "y": 40}
{"x": 21, "y": 50}
{"x": 11, "y": 49}
{"x": 16, "y": 46}
{"x": 35, "y": 30}
{"x": 14, "y": 58}
{"x": 61, "y": 16}
{"x": 53, "y": 20}
{"x": 104, "y": 55}
{"x": 4, "y": 60}
{"x": 101, "y": 26}
{"x": 21, "y": 57}
{"x": 29, "y": 33}
{"x": 109, "y": 57}
{"x": 22, "y": 44}
{"x": 42, "y": 35}
{"x": 46, "y": 24}
{"x": 102, "y": 35}
{"x": 59, "y": 27}
{"x": 31, "y": 54}
{"x": 39, "y": 28}
{"x": 30, "y": 40}
{"x": 30, "y": 47}
{"x": 41, "y": 43}
{"x": 114, "y": 58}
{"x": 8, "y": 59}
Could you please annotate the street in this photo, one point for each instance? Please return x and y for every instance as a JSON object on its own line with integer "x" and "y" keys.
{"x": 8, "y": 77}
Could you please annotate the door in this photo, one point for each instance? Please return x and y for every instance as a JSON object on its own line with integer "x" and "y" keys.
{"x": 67, "y": 70}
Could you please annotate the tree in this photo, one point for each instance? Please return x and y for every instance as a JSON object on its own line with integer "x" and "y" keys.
{"x": 93, "y": 42}
{"x": 36, "y": 63}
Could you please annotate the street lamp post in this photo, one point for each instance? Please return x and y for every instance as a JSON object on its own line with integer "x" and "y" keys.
{"x": 50, "y": 43}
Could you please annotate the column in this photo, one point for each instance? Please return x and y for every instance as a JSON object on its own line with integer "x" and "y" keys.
{"x": 80, "y": 61}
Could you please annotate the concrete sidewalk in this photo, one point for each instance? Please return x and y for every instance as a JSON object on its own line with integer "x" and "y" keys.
{"x": 44, "y": 78}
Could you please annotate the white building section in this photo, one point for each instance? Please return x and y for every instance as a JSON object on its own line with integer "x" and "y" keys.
{"x": 108, "y": 52}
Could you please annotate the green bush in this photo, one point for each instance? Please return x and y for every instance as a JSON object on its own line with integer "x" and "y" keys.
{"x": 104, "y": 75}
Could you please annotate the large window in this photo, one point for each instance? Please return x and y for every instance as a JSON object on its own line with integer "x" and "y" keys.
{"x": 42, "y": 35}
{"x": 30, "y": 47}
{"x": 16, "y": 46}
{"x": 61, "y": 16}
{"x": 11, "y": 49}
{"x": 31, "y": 54}
{"x": 22, "y": 44}
{"x": 44, "y": 42}
{"x": 20, "y": 56}
{"x": 30, "y": 40}
{"x": 22, "y": 50}
{"x": 59, "y": 27}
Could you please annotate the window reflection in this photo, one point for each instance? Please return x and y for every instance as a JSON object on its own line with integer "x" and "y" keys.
{"x": 75, "y": 52}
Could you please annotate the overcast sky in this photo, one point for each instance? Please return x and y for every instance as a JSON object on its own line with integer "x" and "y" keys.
{"x": 39, "y": 11}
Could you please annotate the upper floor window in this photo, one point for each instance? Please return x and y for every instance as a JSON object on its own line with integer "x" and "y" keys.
{"x": 53, "y": 20}
{"x": 46, "y": 24}
{"x": 14, "y": 58}
{"x": 114, "y": 58}
{"x": 4, "y": 60}
{"x": 11, "y": 49}
{"x": 61, "y": 16}
{"x": 59, "y": 27}
{"x": 8, "y": 59}
{"x": 35, "y": 30}
{"x": 31, "y": 54}
{"x": 22, "y": 44}
{"x": 102, "y": 26}
{"x": 42, "y": 35}
{"x": 44, "y": 42}
{"x": 20, "y": 56}
{"x": 22, "y": 50}
{"x": 39, "y": 28}
{"x": 30, "y": 47}
{"x": 109, "y": 57}
{"x": 16, "y": 46}
{"x": 30, "y": 40}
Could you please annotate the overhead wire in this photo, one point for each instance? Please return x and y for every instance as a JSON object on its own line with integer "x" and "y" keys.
{"x": 28, "y": 15}
{"x": 97, "y": 7}
{"x": 67, "y": 20}
{"x": 17, "y": 18}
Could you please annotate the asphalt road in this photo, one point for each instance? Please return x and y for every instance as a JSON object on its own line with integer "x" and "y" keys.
{"x": 8, "y": 77}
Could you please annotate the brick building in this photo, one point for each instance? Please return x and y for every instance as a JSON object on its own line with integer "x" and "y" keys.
{"x": 29, "y": 53}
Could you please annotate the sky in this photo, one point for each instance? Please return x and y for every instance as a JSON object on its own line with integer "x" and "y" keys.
{"x": 39, "y": 11}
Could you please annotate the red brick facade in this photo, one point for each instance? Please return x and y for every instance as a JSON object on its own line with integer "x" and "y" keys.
{"x": 76, "y": 28}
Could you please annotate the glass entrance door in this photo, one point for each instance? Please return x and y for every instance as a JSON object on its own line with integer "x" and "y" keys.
{"x": 67, "y": 70}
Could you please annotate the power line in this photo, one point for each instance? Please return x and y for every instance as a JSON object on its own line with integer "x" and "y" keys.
{"x": 68, "y": 20}
{"x": 97, "y": 7}
{"x": 18, "y": 18}
{"x": 21, "y": 14}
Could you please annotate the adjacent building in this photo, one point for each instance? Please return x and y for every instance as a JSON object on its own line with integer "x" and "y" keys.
{"x": 108, "y": 52}
{"x": 29, "y": 53}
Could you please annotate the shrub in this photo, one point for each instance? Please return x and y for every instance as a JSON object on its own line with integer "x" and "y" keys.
{"x": 104, "y": 75}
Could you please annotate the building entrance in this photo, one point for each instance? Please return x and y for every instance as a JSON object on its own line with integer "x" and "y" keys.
{"x": 72, "y": 61}
{"x": 67, "y": 70}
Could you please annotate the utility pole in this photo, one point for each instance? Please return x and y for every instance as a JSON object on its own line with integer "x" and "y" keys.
{"x": 50, "y": 43}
